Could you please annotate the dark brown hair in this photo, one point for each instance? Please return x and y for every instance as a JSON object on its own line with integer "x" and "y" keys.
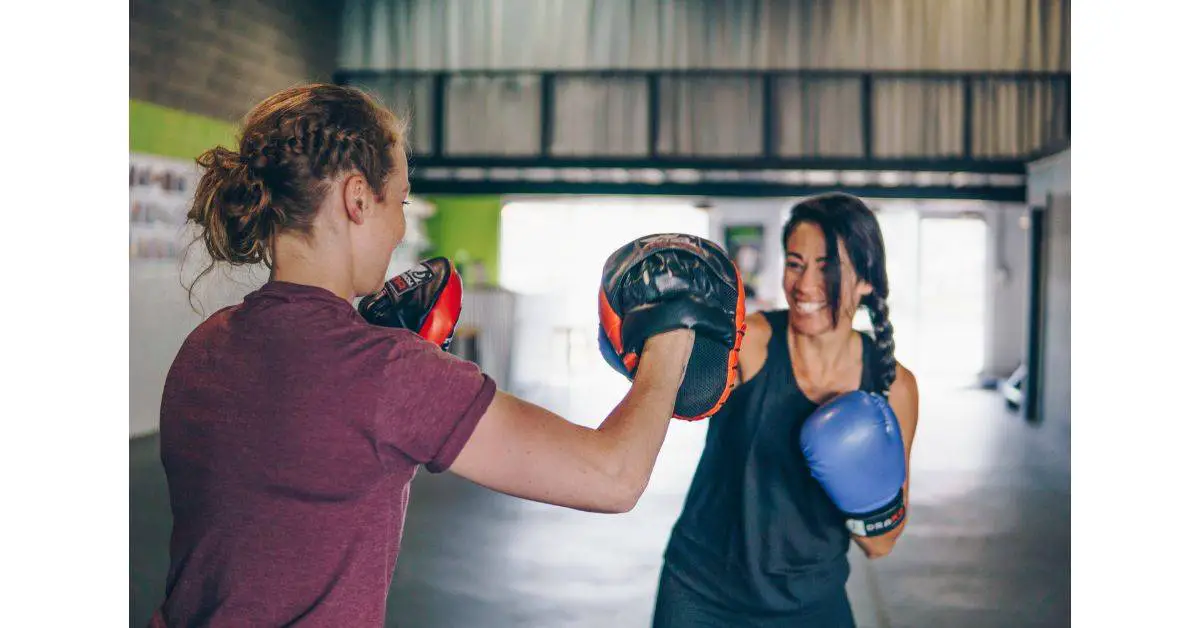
{"x": 846, "y": 218}
{"x": 290, "y": 145}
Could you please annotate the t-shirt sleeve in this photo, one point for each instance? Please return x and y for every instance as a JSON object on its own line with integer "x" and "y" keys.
{"x": 430, "y": 403}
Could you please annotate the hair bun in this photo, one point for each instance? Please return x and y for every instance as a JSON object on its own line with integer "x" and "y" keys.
{"x": 278, "y": 175}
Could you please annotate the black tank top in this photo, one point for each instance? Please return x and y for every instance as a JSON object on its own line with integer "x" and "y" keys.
{"x": 757, "y": 532}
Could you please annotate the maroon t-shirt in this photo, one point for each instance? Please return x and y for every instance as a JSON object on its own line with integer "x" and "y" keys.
{"x": 291, "y": 430}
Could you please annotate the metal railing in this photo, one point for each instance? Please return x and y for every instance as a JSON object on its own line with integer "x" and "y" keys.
{"x": 986, "y": 122}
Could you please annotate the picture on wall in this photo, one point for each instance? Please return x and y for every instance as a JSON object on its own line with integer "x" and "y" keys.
{"x": 160, "y": 193}
{"x": 744, "y": 243}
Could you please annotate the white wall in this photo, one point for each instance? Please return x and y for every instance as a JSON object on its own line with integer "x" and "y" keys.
{"x": 1056, "y": 338}
{"x": 160, "y": 316}
{"x": 1049, "y": 175}
{"x": 1008, "y": 307}
{"x": 772, "y": 214}
{"x": 1050, "y": 187}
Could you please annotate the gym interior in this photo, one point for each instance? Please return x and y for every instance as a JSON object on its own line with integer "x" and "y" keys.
{"x": 544, "y": 135}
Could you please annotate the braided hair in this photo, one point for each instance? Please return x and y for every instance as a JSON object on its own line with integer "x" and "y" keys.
{"x": 846, "y": 218}
{"x": 291, "y": 145}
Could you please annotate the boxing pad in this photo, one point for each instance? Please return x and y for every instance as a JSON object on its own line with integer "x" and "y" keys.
{"x": 663, "y": 282}
{"x": 426, "y": 299}
{"x": 855, "y": 451}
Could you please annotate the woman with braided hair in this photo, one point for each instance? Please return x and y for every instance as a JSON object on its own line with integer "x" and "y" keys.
{"x": 811, "y": 449}
{"x": 292, "y": 424}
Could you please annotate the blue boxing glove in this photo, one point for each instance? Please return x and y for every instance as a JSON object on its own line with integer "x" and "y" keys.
{"x": 855, "y": 451}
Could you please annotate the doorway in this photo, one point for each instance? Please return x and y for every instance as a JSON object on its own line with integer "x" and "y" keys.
{"x": 952, "y": 298}
{"x": 551, "y": 256}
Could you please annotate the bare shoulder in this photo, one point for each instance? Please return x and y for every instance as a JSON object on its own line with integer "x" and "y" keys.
{"x": 757, "y": 328}
{"x": 906, "y": 382}
{"x": 904, "y": 397}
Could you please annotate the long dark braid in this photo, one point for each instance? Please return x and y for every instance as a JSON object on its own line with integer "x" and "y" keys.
{"x": 885, "y": 344}
{"x": 845, "y": 217}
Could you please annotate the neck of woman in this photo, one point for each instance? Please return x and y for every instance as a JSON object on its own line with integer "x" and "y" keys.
{"x": 310, "y": 262}
{"x": 826, "y": 353}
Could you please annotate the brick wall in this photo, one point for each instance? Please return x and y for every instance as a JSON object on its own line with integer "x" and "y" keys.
{"x": 219, "y": 57}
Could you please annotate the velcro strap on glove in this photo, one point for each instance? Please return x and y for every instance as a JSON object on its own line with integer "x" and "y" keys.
{"x": 685, "y": 312}
{"x": 880, "y": 521}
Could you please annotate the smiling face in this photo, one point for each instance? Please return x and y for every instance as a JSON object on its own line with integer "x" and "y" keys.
{"x": 807, "y": 285}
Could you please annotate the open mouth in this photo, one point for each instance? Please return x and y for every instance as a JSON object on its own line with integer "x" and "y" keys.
{"x": 809, "y": 307}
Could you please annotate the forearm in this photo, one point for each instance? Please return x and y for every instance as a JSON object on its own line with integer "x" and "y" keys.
{"x": 523, "y": 450}
{"x": 880, "y": 546}
{"x": 634, "y": 432}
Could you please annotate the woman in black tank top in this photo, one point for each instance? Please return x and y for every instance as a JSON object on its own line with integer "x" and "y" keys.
{"x": 759, "y": 542}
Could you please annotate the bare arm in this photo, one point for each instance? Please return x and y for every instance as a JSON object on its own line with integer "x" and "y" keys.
{"x": 526, "y": 451}
{"x": 903, "y": 400}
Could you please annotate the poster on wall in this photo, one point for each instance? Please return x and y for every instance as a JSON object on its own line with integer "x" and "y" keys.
{"x": 160, "y": 193}
{"x": 744, "y": 243}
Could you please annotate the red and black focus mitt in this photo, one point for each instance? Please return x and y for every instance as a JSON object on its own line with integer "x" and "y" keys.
{"x": 426, "y": 299}
{"x": 662, "y": 282}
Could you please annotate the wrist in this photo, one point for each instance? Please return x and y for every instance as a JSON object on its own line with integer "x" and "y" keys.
{"x": 665, "y": 356}
{"x": 879, "y": 521}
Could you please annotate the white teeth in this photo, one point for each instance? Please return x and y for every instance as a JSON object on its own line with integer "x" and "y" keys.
{"x": 810, "y": 307}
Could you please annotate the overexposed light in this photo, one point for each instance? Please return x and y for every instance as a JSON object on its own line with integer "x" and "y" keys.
{"x": 470, "y": 174}
{"x": 540, "y": 174}
{"x": 505, "y": 174}
{"x": 683, "y": 175}
{"x": 822, "y": 177}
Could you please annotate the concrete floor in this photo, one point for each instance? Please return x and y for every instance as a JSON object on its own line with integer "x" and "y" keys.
{"x": 988, "y": 543}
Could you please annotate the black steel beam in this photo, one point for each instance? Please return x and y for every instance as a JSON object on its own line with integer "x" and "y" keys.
{"x": 666, "y": 162}
{"x": 968, "y": 126}
{"x": 546, "y": 141}
{"x": 1035, "y": 320}
{"x": 868, "y": 116}
{"x": 652, "y": 107}
{"x": 768, "y": 117}
{"x": 437, "y": 117}
{"x": 435, "y": 154}
{"x": 421, "y": 186}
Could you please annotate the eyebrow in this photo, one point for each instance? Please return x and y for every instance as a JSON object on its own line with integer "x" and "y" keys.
{"x": 801, "y": 257}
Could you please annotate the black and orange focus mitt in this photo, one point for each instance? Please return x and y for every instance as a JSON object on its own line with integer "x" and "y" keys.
{"x": 662, "y": 282}
{"x": 426, "y": 299}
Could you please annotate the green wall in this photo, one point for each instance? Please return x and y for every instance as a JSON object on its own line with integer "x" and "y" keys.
{"x": 466, "y": 229}
{"x": 159, "y": 130}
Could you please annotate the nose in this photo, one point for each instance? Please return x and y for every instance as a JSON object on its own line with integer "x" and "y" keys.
{"x": 812, "y": 281}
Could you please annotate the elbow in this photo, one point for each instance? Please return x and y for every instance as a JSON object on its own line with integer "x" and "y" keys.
{"x": 621, "y": 491}
{"x": 632, "y": 495}
{"x": 614, "y": 503}
{"x": 621, "y": 506}
{"x": 622, "y": 485}
{"x": 879, "y": 546}
{"x": 875, "y": 552}
{"x": 624, "y": 495}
